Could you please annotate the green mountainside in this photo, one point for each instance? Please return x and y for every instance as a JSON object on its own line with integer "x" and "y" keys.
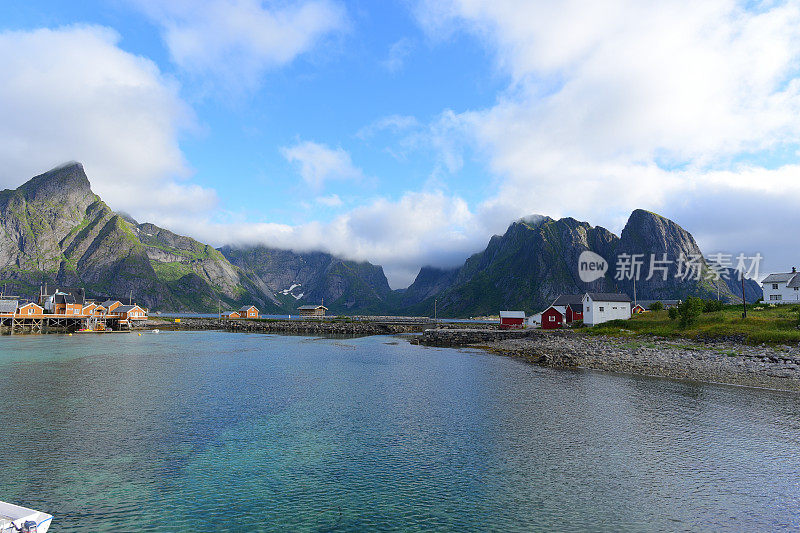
{"x": 56, "y": 231}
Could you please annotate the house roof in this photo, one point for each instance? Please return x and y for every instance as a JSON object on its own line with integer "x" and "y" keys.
{"x": 30, "y": 303}
{"x": 512, "y": 314}
{"x": 8, "y": 306}
{"x": 63, "y": 298}
{"x": 310, "y": 307}
{"x": 779, "y": 277}
{"x": 229, "y": 313}
{"x": 247, "y": 307}
{"x": 553, "y": 309}
{"x": 794, "y": 282}
{"x": 78, "y": 295}
{"x": 576, "y": 308}
{"x": 608, "y": 297}
{"x": 125, "y": 308}
{"x": 109, "y": 303}
{"x": 566, "y": 299}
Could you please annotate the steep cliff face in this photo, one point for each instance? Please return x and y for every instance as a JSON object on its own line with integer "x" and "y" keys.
{"x": 526, "y": 268}
{"x": 429, "y": 282}
{"x": 537, "y": 259}
{"x": 291, "y": 279}
{"x": 55, "y": 230}
{"x": 677, "y": 261}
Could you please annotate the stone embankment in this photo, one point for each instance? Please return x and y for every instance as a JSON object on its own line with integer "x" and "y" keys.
{"x": 453, "y": 337}
{"x": 300, "y": 327}
{"x": 776, "y": 367}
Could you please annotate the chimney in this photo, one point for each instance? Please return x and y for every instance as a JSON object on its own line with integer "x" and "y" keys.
{"x": 794, "y": 270}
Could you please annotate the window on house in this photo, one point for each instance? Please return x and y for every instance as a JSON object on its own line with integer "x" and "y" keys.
{"x": 602, "y": 309}
{"x": 775, "y": 286}
{"x": 552, "y": 319}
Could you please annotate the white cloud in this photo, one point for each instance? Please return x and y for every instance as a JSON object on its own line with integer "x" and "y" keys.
{"x": 319, "y": 163}
{"x": 331, "y": 200}
{"x": 237, "y": 41}
{"x": 622, "y": 104}
{"x": 391, "y": 123}
{"x": 428, "y": 228}
{"x": 73, "y": 94}
{"x": 397, "y": 55}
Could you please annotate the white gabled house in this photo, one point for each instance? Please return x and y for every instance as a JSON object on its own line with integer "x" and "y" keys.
{"x": 599, "y": 307}
{"x": 782, "y": 288}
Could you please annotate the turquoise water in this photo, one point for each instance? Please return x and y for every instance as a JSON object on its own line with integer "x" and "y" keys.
{"x": 192, "y": 431}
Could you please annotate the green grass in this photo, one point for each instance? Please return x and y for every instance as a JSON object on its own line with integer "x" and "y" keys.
{"x": 769, "y": 325}
{"x": 170, "y": 271}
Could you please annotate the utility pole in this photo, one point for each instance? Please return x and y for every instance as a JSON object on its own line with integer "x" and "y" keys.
{"x": 744, "y": 302}
{"x": 435, "y": 317}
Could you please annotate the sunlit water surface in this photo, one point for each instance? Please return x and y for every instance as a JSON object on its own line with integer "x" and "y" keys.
{"x": 246, "y": 432}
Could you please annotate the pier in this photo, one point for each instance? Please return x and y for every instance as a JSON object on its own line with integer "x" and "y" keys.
{"x": 50, "y": 323}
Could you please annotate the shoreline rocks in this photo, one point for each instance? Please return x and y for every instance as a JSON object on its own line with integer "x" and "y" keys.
{"x": 728, "y": 362}
{"x": 314, "y": 327}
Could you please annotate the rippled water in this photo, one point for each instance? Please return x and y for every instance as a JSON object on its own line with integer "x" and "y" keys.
{"x": 193, "y": 431}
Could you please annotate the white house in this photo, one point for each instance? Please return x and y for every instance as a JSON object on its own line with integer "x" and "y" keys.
{"x": 782, "y": 288}
{"x": 601, "y": 307}
{"x": 535, "y": 321}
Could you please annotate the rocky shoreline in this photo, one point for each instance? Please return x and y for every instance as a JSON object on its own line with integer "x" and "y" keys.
{"x": 300, "y": 327}
{"x": 729, "y": 362}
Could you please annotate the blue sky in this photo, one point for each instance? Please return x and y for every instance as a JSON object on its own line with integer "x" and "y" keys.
{"x": 328, "y": 97}
{"x": 408, "y": 132}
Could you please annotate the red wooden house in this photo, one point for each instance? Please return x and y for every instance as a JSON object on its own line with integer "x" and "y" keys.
{"x": 570, "y": 306}
{"x": 552, "y": 318}
{"x": 574, "y": 312}
{"x": 512, "y": 319}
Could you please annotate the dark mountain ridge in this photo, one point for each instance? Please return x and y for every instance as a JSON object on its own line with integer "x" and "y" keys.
{"x": 537, "y": 259}
{"x": 56, "y": 231}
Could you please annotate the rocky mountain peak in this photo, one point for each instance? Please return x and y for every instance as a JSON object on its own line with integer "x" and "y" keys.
{"x": 650, "y": 232}
{"x": 59, "y": 184}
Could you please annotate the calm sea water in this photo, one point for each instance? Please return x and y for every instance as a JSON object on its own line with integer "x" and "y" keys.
{"x": 235, "y": 432}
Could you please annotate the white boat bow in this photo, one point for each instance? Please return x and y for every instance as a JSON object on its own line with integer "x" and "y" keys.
{"x": 16, "y": 519}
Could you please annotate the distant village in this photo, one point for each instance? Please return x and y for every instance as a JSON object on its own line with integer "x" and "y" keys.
{"x": 67, "y": 310}
{"x": 594, "y": 308}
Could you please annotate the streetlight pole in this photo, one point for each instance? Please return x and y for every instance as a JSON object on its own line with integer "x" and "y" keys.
{"x": 744, "y": 301}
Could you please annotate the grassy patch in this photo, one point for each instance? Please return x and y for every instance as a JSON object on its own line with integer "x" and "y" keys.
{"x": 170, "y": 271}
{"x": 768, "y": 325}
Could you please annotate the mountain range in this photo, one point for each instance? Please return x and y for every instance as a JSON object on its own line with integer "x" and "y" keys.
{"x": 57, "y": 231}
